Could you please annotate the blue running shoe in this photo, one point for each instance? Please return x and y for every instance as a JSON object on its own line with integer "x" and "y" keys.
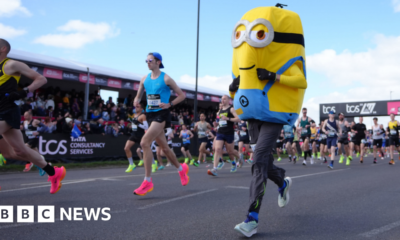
{"x": 41, "y": 171}
{"x": 330, "y": 166}
{"x": 234, "y": 168}
{"x": 283, "y": 198}
{"x": 212, "y": 172}
{"x": 161, "y": 168}
{"x": 248, "y": 227}
{"x": 220, "y": 165}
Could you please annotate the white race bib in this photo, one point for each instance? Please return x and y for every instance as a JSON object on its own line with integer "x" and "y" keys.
{"x": 222, "y": 123}
{"x": 363, "y": 141}
{"x": 278, "y": 141}
{"x": 202, "y": 133}
{"x": 323, "y": 136}
{"x": 331, "y": 134}
{"x": 393, "y": 132}
{"x": 304, "y": 131}
{"x": 153, "y": 101}
{"x": 288, "y": 135}
{"x": 134, "y": 127}
{"x": 243, "y": 133}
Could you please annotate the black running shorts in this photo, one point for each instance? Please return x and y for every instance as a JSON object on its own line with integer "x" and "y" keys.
{"x": 12, "y": 117}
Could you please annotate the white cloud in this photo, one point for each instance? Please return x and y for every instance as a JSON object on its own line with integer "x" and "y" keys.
{"x": 221, "y": 83}
{"x": 396, "y": 5}
{"x": 375, "y": 72}
{"x": 7, "y": 32}
{"x": 77, "y": 33}
{"x": 11, "y": 7}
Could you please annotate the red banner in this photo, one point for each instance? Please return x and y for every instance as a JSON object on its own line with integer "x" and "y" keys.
{"x": 83, "y": 78}
{"x": 136, "y": 86}
{"x": 200, "y": 97}
{"x": 115, "y": 83}
{"x": 215, "y": 99}
{"x": 52, "y": 73}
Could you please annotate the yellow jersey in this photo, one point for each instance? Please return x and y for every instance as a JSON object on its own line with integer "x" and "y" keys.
{"x": 8, "y": 84}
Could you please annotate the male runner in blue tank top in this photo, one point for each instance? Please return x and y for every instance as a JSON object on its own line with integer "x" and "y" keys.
{"x": 11, "y": 140}
{"x": 158, "y": 87}
{"x": 332, "y": 130}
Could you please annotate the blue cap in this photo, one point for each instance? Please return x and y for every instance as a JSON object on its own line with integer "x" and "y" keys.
{"x": 159, "y": 57}
{"x": 332, "y": 112}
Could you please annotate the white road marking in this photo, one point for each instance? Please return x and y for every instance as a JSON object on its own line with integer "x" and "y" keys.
{"x": 176, "y": 199}
{"x": 110, "y": 179}
{"x": 47, "y": 185}
{"x": 380, "y": 230}
{"x": 238, "y": 187}
{"x": 307, "y": 175}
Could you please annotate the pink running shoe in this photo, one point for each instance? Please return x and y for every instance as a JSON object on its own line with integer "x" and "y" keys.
{"x": 184, "y": 174}
{"x": 56, "y": 179}
{"x": 145, "y": 188}
{"x": 28, "y": 167}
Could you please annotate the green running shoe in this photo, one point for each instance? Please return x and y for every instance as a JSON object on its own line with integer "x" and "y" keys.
{"x": 196, "y": 164}
{"x": 348, "y": 160}
{"x": 302, "y": 154}
{"x": 358, "y": 154}
{"x": 191, "y": 162}
{"x": 319, "y": 155}
{"x": 140, "y": 163}
{"x": 186, "y": 160}
{"x": 341, "y": 159}
{"x": 153, "y": 168}
{"x": 130, "y": 168}
{"x": 279, "y": 159}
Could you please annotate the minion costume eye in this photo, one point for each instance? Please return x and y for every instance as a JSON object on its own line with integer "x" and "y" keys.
{"x": 258, "y": 33}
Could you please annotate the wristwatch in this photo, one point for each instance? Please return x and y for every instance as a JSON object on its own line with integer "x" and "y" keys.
{"x": 170, "y": 103}
{"x": 26, "y": 90}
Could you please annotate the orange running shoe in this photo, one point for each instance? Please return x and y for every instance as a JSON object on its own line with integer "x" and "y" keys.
{"x": 28, "y": 167}
{"x": 184, "y": 174}
{"x": 145, "y": 188}
{"x": 56, "y": 179}
{"x": 391, "y": 162}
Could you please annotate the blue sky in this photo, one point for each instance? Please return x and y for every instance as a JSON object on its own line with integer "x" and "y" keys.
{"x": 131, "y": 29}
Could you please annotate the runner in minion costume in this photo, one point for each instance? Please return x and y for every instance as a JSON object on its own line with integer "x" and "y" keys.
{"x": 269, "y": 83}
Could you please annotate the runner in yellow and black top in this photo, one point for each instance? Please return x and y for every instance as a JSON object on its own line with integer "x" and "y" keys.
{"x": 12, "y": 143}
{"x": 313, "y": 141}
{"x": 393, "y": 132}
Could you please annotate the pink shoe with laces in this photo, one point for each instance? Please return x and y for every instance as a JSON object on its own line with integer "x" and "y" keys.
{"x": 56, "y": 179}
{"x": 145, "y": 188}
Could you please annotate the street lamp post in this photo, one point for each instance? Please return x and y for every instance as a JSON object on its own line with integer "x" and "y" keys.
{"x": 197, "y": 68}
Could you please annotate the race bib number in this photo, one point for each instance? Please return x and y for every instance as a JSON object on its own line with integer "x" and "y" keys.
{"x": 331, "y": 134}
{"x": 243, "y": 133}
{"x": 363, "y": 141}
{"x": 393, "y": 132}
{"x": 313, "y": 135}
{"x": 304, "y": 131}
{"x": 278, "y": 141}
{"x": 202, "y": 133}
{"x": 222, "y": 123}
{"x": 288, "y": 135}
{"x": 134, "y": 127}
{"x": 29, "y": 133}
{"x": 153, "y": 101}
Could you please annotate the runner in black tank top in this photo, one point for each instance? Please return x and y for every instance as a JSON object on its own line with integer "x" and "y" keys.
{"x": 139, "y": 125}
{"x": 225, "y": 136}
{"x": 332, "y": 130}
{"x": 10, "y": 118}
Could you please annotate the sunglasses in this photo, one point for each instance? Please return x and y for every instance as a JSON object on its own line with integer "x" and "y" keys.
{"x": 150, "y": 60}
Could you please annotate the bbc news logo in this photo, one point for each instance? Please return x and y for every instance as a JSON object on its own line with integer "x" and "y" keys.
{"x": 46, "y": 214}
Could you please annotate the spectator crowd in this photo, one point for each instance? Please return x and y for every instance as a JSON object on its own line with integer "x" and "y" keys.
{"x": 60, "y": 111}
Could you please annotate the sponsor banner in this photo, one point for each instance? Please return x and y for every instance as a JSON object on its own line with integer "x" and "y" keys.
{"x": 190, "y": 95}
{"x": 52, "y": 73}
{"x": 83, "y": 78}
{"x": 100, "y": 81}
{"x": 127, "y": 85}
{"x": 115, "y": 83}
{"x": 70, "y": 76}
{"x": 207, "y": 98}
{"x": 37, "y": 69}
{"x": 355, "y": 109}
{"x": 93, "y": 147}
{"x": 393, "y": 107}
{"x": 200, "y": 97}
{"x": 215, "y": 99}
{"x": 136, "y": 86}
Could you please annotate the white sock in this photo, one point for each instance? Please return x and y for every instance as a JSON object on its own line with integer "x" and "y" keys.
{"x": 130, "y": 161}
{"x": 153, "y": 161}
{"x": 180, "y": 168}
{"x": 147, "y": 179}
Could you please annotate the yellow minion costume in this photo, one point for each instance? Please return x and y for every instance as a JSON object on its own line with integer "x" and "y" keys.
{"x": 269, "y": 39}
{"x": 268, "y": 88}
